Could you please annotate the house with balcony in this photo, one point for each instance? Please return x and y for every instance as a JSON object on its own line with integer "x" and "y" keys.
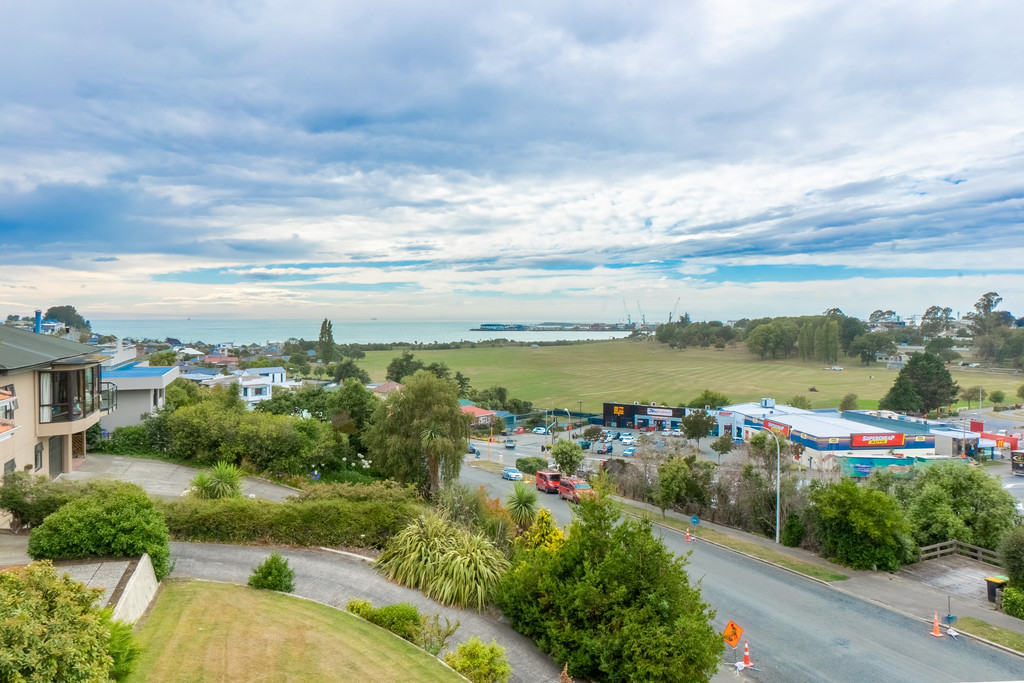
{"x": 50, "y": 393}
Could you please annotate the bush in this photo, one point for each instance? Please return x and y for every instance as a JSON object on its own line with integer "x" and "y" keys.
{"x": 116, "y": 520}
{"x": 861, "y": 527}
{"x": 401, "y": 618}
{"x": 387, "y": 491}
{"x": 359, "y": 607}
{"x": 433, "y": 637}
{"x": 129, "y": 440}
{"x": 328, "y": 522}
{"x": 223, "y": 480}
{"x": 531, "y": 465}
{"x": 1011, "y": 555}
{"x": 450, "y": 564}
{"x": 1013, "y": 601}
{"x": 53, "y": 631}
{"x": 480, "y": 663}
{"x": 793, "y": 531}
{"x": 30, "y": 499}
{"x": 273, "y": 574}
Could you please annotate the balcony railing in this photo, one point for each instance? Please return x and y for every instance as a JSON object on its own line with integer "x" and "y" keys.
{"x": 108, "y": 397}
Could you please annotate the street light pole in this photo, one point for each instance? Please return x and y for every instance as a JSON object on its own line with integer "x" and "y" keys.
{"x": 778, "y": 468}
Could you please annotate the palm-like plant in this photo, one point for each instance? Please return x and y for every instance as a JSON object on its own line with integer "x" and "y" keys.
{"x": 223, "y": 480}
{"x": 467, "y": 572}
{"x": 522, "y": 505}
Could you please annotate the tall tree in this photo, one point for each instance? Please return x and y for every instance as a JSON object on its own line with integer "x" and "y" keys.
{"x": 567, "y": 455}
{"x": 936, "y": 320}
{"x": 419, "y": 433}
{"x": 709, "y": 399}
{"x": 902, "y": 397}
{"x": 697, "y": 425}
{"x": 868, "y": 346}
{"x": 325, "y": 348}
{"x": 826, "y": 342}
{"x": 67, "y": 315}
{"x": 928, "y": 377}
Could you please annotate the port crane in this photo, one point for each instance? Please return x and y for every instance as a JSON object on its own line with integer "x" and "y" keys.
{"x": 672, "y": 313}
{"x": 629, "y": 322}
{"x": 643, "y": 318}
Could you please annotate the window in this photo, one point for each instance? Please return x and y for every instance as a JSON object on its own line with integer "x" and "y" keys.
{"x": 68, "y": 395}
{"x": 39, "y": 456}
{"x": 9, "y": 466}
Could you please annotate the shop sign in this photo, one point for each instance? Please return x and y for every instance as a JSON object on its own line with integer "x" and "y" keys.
{"x": 660, "y": 412}
{"x": 877, "y": 440}
{"x": 777, "y": 427}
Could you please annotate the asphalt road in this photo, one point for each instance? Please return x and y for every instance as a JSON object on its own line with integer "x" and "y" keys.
{"x": 802, "y": 630}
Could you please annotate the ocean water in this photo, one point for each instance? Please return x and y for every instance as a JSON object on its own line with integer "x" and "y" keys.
{"x": 218, "y": 330}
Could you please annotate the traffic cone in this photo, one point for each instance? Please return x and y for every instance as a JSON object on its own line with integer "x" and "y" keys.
{"x": 746, "y": 655}
{"x": 935, "y": 627}
{"x": 688, "y": 539}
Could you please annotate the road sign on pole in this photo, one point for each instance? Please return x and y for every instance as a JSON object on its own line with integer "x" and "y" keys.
{"x": 695, "y": 520}
{"x": 732, "y": 634}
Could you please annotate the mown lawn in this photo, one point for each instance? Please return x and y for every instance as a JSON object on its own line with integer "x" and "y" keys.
{"x": 201, "y": 631}
{"x": 625, "y": 370}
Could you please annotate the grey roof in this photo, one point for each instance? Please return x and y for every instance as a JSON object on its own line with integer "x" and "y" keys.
{"x": 23, "y": 349}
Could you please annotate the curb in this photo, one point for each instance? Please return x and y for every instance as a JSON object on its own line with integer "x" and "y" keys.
{"x": 354, "y": 556}
{"x": 873, "y": 601}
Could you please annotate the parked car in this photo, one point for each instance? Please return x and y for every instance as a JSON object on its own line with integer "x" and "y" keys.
{"x": 584, "y": 444}
{"x": 510, "y": 443}
{"x": 628, "y": 440}
{"x": 541, "y": 430}
{"x": 677, "y": 432}
{"x": 512, "y": 474}
{"x": 547, "y": 481}
{"x": 604, "y": 448}
{"x": 572, "y": 489}
{"x": 629, "y": 451}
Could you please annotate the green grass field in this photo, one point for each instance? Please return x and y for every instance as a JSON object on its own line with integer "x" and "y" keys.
{"x": 200, "y": 631}
{"x": 625, "y": 371}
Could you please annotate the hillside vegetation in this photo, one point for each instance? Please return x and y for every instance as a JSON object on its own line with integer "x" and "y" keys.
{"x": 627, "y": 370}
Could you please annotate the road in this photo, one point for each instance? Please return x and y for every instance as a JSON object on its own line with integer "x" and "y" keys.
{"x": 802, "y": 630}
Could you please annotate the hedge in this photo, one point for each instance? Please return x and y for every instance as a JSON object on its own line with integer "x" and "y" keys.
{"x": 531, "y": 464}
{"x": 329, "y": 522}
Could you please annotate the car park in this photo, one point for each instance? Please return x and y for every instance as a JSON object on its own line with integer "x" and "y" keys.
{"x": 510, "y": 443}
{"x": 629, "y": 451}
{"x": 572, "y": 489}
{"x": 547, "y": 481}
{"x": 512, "y": 474}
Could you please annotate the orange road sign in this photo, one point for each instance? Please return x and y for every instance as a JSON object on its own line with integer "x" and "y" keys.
{"x": 732, "y": 634}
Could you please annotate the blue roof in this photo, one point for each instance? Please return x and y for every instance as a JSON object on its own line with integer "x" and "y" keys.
{"x": 134, "y": 370}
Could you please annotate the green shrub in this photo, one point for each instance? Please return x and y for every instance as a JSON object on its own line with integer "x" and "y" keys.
{"x": 401, "y": 618}
{"x": 433, "y": 637}
{"x": 128, "y": 441}
{"x": 387, "y": 491}
{"x": 793, "y": 531}
{"x": 29, "y": 499}
{"x": 223, "y": 480}
{"x": 273, "y": 574}
{"x": 522, "y": 504}
{"x": 450, "y": 564}
{"x": 359, "y": 607}
{"x": 531, "y": 465}
{"x": 1013, "y": 601}
{"x": 1011, "y": 555}
{"x": 328, "y": 522}
{"x": 117, "y": 519}
{"x": 53, "y": 631}
{"x": 480, "y": 663}
{"x": 123, "y": 648}
{"x": 861, "y": 527}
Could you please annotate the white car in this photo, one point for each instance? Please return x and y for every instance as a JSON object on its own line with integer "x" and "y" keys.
{"x": 541, "y": 430}
{"x": 677, "y": 432}
{"x": 628, "y": 440}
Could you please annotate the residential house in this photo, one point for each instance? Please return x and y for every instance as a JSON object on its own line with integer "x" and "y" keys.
{"x": 50, "y": 393}
{"x": 252, "y": 388}
{"x": 140, "y": 387}
{"x": 479, "y": 416}
{"x": 384, "y": 389}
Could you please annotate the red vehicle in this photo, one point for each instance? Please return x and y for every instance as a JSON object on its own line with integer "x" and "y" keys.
{"x": 547, "y": 481}
{"x": 572, "y": 489}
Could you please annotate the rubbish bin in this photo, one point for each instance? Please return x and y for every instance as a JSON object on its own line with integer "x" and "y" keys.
{"x": 993, "y": 583}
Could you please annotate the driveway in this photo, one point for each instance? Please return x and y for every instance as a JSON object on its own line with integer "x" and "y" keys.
{"x": 333, "y": 578}
{"x": 162, "y": 479}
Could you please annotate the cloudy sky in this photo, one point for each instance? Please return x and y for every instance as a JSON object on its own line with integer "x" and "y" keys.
{"x": 471, "y": 160}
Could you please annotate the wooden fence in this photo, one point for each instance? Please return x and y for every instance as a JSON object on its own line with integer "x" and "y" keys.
{"x": 956, "y": 547}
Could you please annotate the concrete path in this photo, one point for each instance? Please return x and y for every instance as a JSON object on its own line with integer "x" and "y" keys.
{"x": 332, "y": 579}
{"x": 162, "y": 479}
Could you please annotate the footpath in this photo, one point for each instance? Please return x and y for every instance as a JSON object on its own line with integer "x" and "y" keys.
{"x": 890, "y": 590}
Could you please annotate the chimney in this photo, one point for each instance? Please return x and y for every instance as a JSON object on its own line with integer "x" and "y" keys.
{"x": 39, "y": 321}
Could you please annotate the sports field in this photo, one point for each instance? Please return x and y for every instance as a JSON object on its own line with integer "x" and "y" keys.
{"x": 625, "y": 371}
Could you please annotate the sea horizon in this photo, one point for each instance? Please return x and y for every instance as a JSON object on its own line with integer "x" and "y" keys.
{"x": 272, "y": 330}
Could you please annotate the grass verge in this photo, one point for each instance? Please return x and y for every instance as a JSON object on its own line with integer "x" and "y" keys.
{"x": 488, "y": 466}
{"x": 201, "y": 631}
{"x": 997, "y": 634}
{"x": 767, "y": 554}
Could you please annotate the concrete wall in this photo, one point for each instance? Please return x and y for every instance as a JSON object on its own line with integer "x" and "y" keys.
{"x": 131, "y": 405}
{"x": 138, "y": 592}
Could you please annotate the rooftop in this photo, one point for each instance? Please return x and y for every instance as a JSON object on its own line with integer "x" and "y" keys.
{"x": 135, "y": 370}
{"x": 24, "y": 349}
